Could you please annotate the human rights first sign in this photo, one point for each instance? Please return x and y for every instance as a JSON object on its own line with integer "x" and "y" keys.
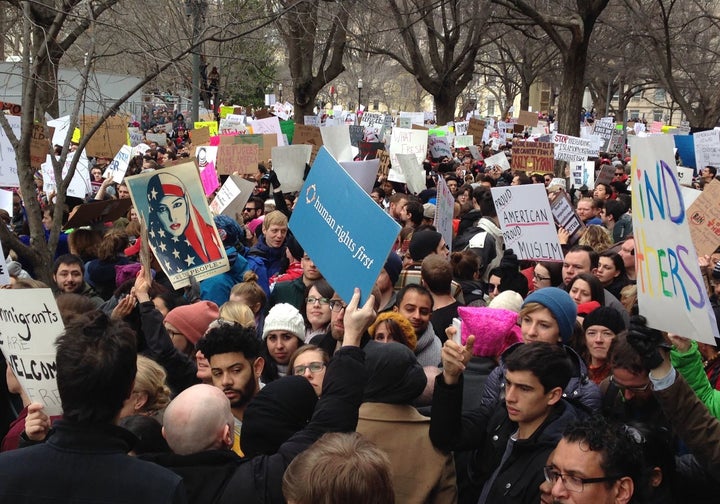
{"x": 347, "y": 235}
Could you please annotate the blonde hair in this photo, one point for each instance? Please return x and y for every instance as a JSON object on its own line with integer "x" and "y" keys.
{"x": 596, "y": 237}
{"x": 240, "y": 313}
{"x": 274, "y": 218}
{"x": 151, "y": 379}
{"x": 250, "y": 289}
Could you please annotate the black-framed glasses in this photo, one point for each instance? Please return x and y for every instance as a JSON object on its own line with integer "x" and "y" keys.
{"x": 337, "y": 305}
{"x": 320, "y": 300}
{"x": 573, "y": 483}
{"x": 541, "y": 278}
{"x": 314, "y": 367}
{"x": 623, "y": 388}
{"x": 248, "y": 209}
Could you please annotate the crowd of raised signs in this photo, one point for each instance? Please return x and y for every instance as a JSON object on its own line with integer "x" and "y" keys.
{"x": 471, "y": 374}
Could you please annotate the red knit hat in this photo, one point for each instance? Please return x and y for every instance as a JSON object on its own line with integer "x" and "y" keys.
{"x": 193, "y": 320}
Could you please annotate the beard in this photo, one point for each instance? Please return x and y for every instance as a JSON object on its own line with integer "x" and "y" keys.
{"x": 245, "y": 394}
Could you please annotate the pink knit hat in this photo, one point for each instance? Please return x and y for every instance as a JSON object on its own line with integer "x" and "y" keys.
{"x": 193, "y": 320}
{"x": 495, "y": 329}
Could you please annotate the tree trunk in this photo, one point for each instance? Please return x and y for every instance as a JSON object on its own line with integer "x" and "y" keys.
{"x": 525, "y": 97}
{"x": 445, "y": 104}
{"x": 304, "y": 101}
{"x": 572, "y": 90}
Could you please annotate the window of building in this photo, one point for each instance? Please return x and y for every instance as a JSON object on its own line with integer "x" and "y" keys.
{"x": 491, "y": 107}
{"x": 659, "y": 95}
{"x": 634, "y": 115}
{"x": 657, "y": 115}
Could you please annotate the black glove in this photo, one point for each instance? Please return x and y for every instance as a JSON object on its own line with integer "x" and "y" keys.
{"x": 273, "y": 179}
{"x": 307, "y": 172}
{"x": 645, "y": 341}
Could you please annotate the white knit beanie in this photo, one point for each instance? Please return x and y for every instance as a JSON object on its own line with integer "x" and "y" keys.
{"x": 284, "y": 317}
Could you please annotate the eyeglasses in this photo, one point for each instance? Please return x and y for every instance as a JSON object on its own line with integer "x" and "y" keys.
{"x": 573, "y": 483}
{"x": 337, "y": 305}
{"x": 312, "y": 300}
{"x": 623, "y": 388}
{"x": 314, "y": 367}
{"x": 541, "y": 278}
{"x": 249, "y": 209}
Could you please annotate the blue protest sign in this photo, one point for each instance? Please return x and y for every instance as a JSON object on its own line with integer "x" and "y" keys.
{"x": 686, "y": 149}
{"x": 347, "y": 235}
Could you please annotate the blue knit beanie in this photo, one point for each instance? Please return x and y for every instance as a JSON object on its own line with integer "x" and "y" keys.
{"x": 560, "y": 305}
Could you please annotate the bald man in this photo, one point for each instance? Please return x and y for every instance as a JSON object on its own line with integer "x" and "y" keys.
{"x": 197, "y": 420}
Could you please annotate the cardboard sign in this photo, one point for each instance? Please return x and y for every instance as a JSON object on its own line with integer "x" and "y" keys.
{"x": 704, "y": 219}
{"x": 499, "y": 159}
{"x": 181, "y": 230}
{"x": 582, "y": 173}
{"x": 268, "y": 126}
{"x": 384, "y": 168}
{"x": 309, "y": 135}
{"x": 30, "y": 323}
{"x": 289, "y": 162}
{"x": 476, "y": 128}
{"x": 108, "y": 139}
{"x": 200, "y": 136}
{"x": 104, "y": 210}
{"x": 119, "y": 165}
{"x": 39, "y": 145}
{"x": 570, "y": 148}
{"x": 707, "y": 148}
{"x": 444, "y": 210}
{"x": 527, "y": 118}
{"x": 439, "y": 147}
{"x": 527, "y": 223}
{"x": 565, "y": 215}
{"x": 159, "y": 138}
{"x": 8, "y": 160}
{"x": 670, "y": 286}
{"x": 265, "y": 144}
{"x": 211, "y": 126}
{"x": 232, "y": 196}
{"x": 348, "y": 243}
{"x": 533, "y": 157}
{"x": 237, "y": 158}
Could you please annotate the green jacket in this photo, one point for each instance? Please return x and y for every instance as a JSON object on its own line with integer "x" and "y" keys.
{"x": 689, "y": 365}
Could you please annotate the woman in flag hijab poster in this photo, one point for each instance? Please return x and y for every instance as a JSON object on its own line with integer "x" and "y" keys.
{"x": 181, "y": 231}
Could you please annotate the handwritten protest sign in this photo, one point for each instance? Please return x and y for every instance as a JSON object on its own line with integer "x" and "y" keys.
{"x": 408, "y": 141}
{"x": 527, "y": 223}
{"x": 476, "y": 128}
{"x": 136, "y": 136}
{"x": 232, "y": 196}
{"x": 309, "y": 135}
{"x": 289, "y": 162}
{"x": 499, "y": 159}
{"x": 671, "y": 290}
{"x": 570, "y": 148}
{"x": 533, "y": 157}
{"x": 211, "y": 126}
{"x": 582, "y": 173}
{"x": 707, "y": 148}
{"x": 265, "y": 144}
{"x": 39, "y": 145}
{"x": 181, "y": 231}
{"x": 439, "y": 147}
{"x": 348, "y": 243}
{"x": 108, "y": 139}
{"x": 463, "y": 141}
{"x": 444, "y": 209}
{"x": 268, "y": 126}
{"x": 237, "y": 158}
{"x": 119, "y": 165}
{"x": 30, "y": 323}
{"x": 565, "y": 215}
{"x": 604, "y": 128}
{"x": 8, "y": 161}
{"x": 527, "y": 118}
{"x": 704, "y": 219}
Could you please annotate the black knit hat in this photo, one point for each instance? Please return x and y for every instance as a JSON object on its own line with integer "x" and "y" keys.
{"x": 423, "y": 243}
{"x": 605, "y": 317}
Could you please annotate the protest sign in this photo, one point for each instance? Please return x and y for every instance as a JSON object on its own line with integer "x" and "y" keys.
{"x": 4, "y": 274}
{"x": 607, "y": 172}
{"x": 604, "y": 129}
{"x": 417, "y": 118}
{"x": 109, "y": 137}
{"x": 444, "y": 210}
{"x": 526, "y": 221}
{"x": 232, "y": 196}
{"x": 241, "y": 158}
{"x": 582, "y": 173}
{"x": 159, "y": 138}
{"x": 336, "y": 140}
{"x": 265, "y": 144}
{"x": 461, "y": 128}
{"x": 181, "y": 231}
{"x": 570, "y": 148}
{"x": 412, "y": 171}
{"x": 685, "y": 145}
{"x": 119, "y": 165}
{"x": 384, "y": 168}
{"x": 565, "y": 215}
{"x": 357, "y": 134}
{"x": 135, "y": 135}
{"x": 617, "y": 143}
{"x": 30, "y": 323}
{"x": 102, "y": 210}
{"x": 363, "y": 172}
{"x": 685, "y": 176}
{"x": 439, "y": 147}
{"x": 476, "y": 128}
{"x": 499, "y": 159}
{"x": 80, "y": 183}
{"x": 211, "y": 126}
{"x": 533, "y": 157}
{"x": 704, "y": 219}
{"x": 39, "y": 145}
{"x": 349, "y": 243}
{"x": 8, "y": 160}
{"x": 309, "y": 135}
{"x": 707, "y": 148}
{"x": 6, "y": 201}
{"x": 463, "y": 141}
{"x": 268, "y": 126}
{"x": 408, "y": 141}
{"x": 372, "y": 119}
{"x": 289, "y": 162}
{"x": 527, "y": 118}
{"x": 670, "y": 286}
{"x": 206, "y": 157}
{"x": 683, "y": 129}
{"x": 656, "y": 127}
{"x": 312, "y": 120}
{"x": 233, "y": 124}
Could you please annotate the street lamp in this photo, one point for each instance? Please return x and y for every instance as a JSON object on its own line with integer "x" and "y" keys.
{"x": 280, "y": 92}
{"x": 359, "y": 85}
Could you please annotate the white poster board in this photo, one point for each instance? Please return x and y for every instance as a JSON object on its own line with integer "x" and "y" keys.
{"x": 444, "y": 208}
{"x": 499, "y": 159}
{"x": 119, "y": 165}
{"x": 336, "y": 140}
{"x": 412, "y": 171}
{"x": 8, "y": 160}
{"x": 707, "y": 148}
{"x": 363, "y": 172}
{"x": 582, "y": 173}
{"x": 289, "y": 162}
{"x": 232, "y": 196}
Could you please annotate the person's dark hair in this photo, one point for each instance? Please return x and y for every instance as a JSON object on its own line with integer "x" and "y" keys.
{"x": 586, "y": 248}
{"x": 537, "y": 178}
{"x": 325, "y": 290}
{"x": 436, "y": 272}
{"x": 414, "y": 209}
{"x": 608, "y": 188}
{"x": 622, "y": 355}
{"x": 478, "y": 192}
{"x": 511, "y": 280}
{"x": 96, "y": 364}
{"x": 258, "y": 202}
{"x": 72, "y": 305}
{"x": 523, "y": 179}
{"x": 67, "y": 259}
{"x": 620, "y": 451}
{"x": 549, "y": 363}
{"x": 413, "y": 287}
{"x": 465, "y": 264}
{"x": 170, "y": 299}
{"x": 597, "y": 292}
{"x": 380, "y": 192}
{"x": 615, "y": 208}
{"x": 112, "y": 244}
{"x": 487, "y": 205}
{"x": 148, "y": 432}
{"x": 658, "y": 451}
{"x": 486, "y": 178}
{"x": 712, "y": 170}
{"x": 227, "y": 338}
{"x": 340, "y": 467}
{"x": 555, "y": 270}
{"x": 617, "y": 261}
